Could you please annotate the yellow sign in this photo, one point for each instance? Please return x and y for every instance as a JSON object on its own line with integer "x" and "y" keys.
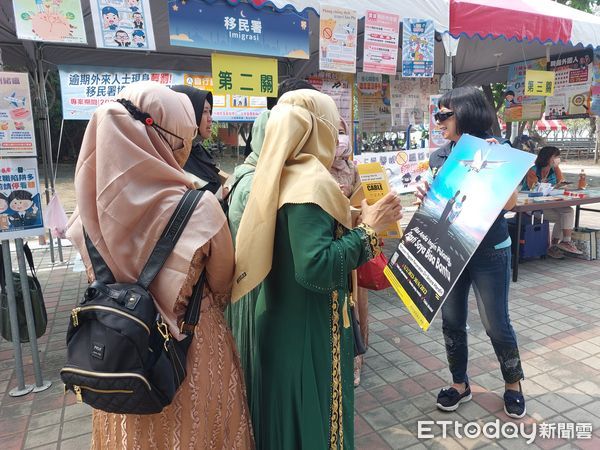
{"x": 539, "y": 83}
{"x": 375, "y": 186}
{"x": 244, "y": 75}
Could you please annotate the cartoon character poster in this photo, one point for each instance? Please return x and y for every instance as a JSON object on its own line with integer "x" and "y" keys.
{"x": 20, "y": 204}
{"x": 374, "y": 103}
{"x": 465, "y": 198}
{"x": 417, "y": 48}
{"x": 17, "y": 135}
{"x": 338, "y": 33}
{"x": 123, "y": 24}
{"x": 50, "y": 21}
{"x": 405, "y": 168}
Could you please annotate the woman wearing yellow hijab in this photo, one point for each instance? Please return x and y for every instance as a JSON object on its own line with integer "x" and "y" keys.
{"x": 295, "y": 235}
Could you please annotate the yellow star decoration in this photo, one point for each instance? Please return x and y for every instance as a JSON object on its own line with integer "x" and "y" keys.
{"x": 175, "y": 7}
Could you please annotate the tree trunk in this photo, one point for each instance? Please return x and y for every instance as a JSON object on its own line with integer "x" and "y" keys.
{"x": 496, "y": 129}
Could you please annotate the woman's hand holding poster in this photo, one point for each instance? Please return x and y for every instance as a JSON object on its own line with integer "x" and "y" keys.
{"x": 465, "y": 198}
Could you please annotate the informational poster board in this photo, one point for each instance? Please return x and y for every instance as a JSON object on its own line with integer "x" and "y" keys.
{"x": 123, "y": 24}
{"x": 436, "y": 137}
{"x": 339, "y": 87}
{"x": 84, "y": 88}
{"x": 17, "y": 134}
{"x": 404, "y": 168}
{"x": 241, "y": 28}
{"x": 465, "y": 198}
{"x": 50, "y": 21}
{"x": 338, "y": 31}
{"x": 518, "y": 106}
{"x": 20, "y": 205}
{"x": 410, "y": 100}
{"x": 381, "y": 42}
{"x": 595, "y": 90}
{"x": 418, "y": 47}
{"x": 374, "y": 108}
{"x": 572, "y": 84}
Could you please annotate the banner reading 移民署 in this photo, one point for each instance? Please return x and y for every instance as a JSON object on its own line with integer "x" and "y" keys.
{"x": 465, "y": 198}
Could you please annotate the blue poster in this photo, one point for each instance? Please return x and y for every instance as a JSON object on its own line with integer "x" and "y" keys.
{"x": 217, "y": 25}
{"x": 417, "y": 48}
{"x": 465, "y": 198}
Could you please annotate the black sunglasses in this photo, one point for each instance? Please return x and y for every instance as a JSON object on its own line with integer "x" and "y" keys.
{"x": 442, "y": 116}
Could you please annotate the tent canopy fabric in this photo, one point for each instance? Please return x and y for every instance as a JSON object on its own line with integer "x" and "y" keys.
{"x": 551, "y": 125}
{"x": 524, "y": 20}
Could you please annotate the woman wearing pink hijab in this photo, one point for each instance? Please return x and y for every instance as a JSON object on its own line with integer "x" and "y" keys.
{"x": 128, "y": 181}
{"x": 345, "y": 173}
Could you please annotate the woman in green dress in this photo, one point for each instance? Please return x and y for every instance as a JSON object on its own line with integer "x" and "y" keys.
{"x": 295, "y": 235}
{"x": 240, "y": 315}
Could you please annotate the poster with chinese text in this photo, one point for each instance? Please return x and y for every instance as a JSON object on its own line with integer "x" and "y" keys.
{"x": 244, "y": 75}
{"x": 436, "y": 137}
{"x": 595, "y": 91}
{"x": 20, "y": 204}
{"x": 17, "y": 134}
{"x": 417, "y": 47}
{"x": 572, "y": 83}
{"x": 381, "y": 42}
{"x": 337, "y": 39}
{"x": 339, "y": 87}
{"x": 410, "y": 100}
{"x": 50, "y": 21}
{"x": 464, "y": 200}
{"x": 405, "y": 168}
{"x": 123, "y": 24}
{"x": 241, "y": 28}
{"x": 517, "y": 105}
{"x": 374, "y": 102}
{"x": 84, "y": 88}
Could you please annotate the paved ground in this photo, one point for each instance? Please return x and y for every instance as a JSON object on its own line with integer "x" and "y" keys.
{"x": 555, "y": 309}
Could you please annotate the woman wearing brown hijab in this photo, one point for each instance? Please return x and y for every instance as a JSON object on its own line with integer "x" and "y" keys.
{"x": 128, "y": 182}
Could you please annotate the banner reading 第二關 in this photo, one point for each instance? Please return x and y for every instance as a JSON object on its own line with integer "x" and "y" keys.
{"x": 244, "y": 75}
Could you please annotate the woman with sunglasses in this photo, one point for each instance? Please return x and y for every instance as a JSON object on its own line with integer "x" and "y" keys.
{"x": 466, "y": 110}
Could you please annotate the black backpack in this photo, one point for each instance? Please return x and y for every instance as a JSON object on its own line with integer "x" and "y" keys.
{"x": 121, "y": 357}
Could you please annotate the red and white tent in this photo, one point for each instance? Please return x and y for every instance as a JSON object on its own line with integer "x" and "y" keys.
{"x": 524, "y": 20}
{"x": 551, "y": 125}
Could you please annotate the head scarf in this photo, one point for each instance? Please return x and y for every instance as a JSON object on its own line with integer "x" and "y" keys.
{"x": 197, "y": 97}
{"x": 296, "y": 156}
{"x": 128, "y": 182}
{"x": 258, "y": 137}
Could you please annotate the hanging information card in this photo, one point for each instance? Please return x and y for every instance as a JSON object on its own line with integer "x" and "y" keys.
{"x": 381, "y": 42}
{"x": 417, "y": 47}
{"x": 17, "y": 135}
{"x": 337, "y": 39}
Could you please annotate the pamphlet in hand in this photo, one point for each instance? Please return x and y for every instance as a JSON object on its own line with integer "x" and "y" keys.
{"x": 465, "y": 198}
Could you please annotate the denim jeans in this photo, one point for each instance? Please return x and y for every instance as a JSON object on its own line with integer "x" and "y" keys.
{"x": 489, "y": 273}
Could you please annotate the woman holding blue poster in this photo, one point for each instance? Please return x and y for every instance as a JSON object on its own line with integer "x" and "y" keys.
{"x": 465, "y": 110}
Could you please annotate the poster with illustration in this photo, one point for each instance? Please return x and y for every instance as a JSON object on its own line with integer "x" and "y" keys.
{"x": 410, "y": 100}
{"x": 84, "y": 88}
{"x": 374, "y": 108}
{"x": 20, "y": 204}
{"x": 381, "y": 42}
{"x": 338, "y": 32}
{"x": 123, "y": 24}
{"x": 517, "y": 106}
{"x": 417, "y": 47}
{"x": 240, "y": 28}
{"x": 405, "y": 168}
{"x": 573, "y": 73}
{"x": 339, "y": 87}
{"x": 50, "y": 21}
{"x": 465, "y": 198}
{"x": 436, "y": 137}
{"x": 17, "y": 135}
{"x": 595, "y": 91}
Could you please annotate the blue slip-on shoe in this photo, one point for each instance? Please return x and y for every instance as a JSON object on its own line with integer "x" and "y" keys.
{"x": 514, "y": 403}
{"x": 449, "y": 399}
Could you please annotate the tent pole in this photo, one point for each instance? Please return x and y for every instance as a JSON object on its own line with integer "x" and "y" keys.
{"x": 44, "y": 132}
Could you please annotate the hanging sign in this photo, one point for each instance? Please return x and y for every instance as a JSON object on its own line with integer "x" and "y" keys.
{"x": 20, "y": 205}
{"x": 17, "y": 135}
{"x": 595, "y": 91}
{"x": 417, "y": 47}
{"x": 50, "y": 21}
{"x": 572, "y": 84}
{"x": 339, "y": 87}
{"x": 84, "y": 88}
{"x": 241, "y": 28}
{"x": 539, "y": 83}
{"x": 244, "y": 75}
{"x": 123, "y": 24}
{"x": 381, "y": 42}
{"x": 374, "y": 102}
{"x": 518, "y": 104}
{"x": 463, "y": 202}
{"x": 337, "y": 39}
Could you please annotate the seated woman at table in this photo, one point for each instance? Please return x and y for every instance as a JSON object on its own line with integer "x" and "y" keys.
{"x": 546, "y": 170}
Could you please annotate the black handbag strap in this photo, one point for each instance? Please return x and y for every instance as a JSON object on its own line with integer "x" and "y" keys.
{"x": 162, "y": 249}
{"x": 192, "y": 313}
{"x": 28, "y": 257}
